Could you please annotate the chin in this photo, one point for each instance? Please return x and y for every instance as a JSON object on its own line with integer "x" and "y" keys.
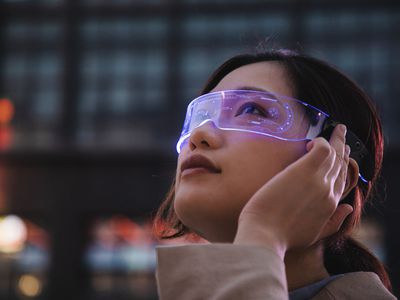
{"x": 224, "y": 237}
{"x": 213, "y": 228}
{"x": 206, "y": 213}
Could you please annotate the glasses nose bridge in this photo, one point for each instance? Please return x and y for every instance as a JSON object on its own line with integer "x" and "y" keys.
{"x": 205, "y": 128}
{"x": 210, "y": 121}
{"x": 199, "y": 130}
{"x": 205, "y": 135}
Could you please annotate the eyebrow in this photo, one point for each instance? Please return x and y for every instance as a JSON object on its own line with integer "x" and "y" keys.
{"x": 252, "y": 88}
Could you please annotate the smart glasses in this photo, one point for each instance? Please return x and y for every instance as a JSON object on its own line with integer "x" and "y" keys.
{"x": 271, "y": 115}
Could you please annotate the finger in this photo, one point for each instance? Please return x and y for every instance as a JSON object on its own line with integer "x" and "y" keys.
{"x": 319, "y": 158}
{"x": 338, "y": 142}
{"x": 340, "y": 182}
{"x": 324, "y": 157}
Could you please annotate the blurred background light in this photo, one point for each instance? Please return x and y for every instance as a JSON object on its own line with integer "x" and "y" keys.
{"x": 6, "y": 111}
{"x": 24, "y": 258}
{"x": 30, "y": 285}
{"x": 93, "y": 96}
{"x": 13, "y": 234}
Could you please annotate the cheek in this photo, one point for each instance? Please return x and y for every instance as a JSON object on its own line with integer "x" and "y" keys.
{"x": 257, "y": 164}
{"x": 246, "y": 179}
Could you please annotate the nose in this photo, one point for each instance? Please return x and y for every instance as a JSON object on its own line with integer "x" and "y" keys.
{"x": 206, "y": 136}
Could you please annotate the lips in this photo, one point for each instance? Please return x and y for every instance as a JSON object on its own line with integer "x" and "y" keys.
{"x": 199, "y": 162}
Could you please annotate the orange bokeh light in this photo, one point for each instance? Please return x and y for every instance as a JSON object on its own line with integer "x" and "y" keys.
{"x": 6, "y": 111}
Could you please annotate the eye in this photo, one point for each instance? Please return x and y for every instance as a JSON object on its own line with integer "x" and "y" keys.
{"x": 252, "y": 109}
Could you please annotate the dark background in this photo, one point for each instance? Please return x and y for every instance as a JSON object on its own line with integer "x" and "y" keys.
{"x": 100, "y": 90}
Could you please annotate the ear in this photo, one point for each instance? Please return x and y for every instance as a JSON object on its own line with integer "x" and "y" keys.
{"x": 343, "y": 210}
{"x": 351, "y": 177}
{"x": 335, "y": 221}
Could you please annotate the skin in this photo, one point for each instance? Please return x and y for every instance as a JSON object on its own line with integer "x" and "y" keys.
{"x": 249, "y": 201}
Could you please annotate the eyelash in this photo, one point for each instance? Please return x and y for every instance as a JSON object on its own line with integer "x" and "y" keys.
{"x": 252, "y": 105}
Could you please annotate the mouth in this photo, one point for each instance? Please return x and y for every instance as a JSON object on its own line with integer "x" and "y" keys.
{"x": 198, "y": 164}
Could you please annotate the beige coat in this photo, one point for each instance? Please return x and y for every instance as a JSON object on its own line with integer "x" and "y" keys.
{"x": 226, "y": 271}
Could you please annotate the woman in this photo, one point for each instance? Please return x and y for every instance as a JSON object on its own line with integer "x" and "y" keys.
{"x": 265, "y": 175}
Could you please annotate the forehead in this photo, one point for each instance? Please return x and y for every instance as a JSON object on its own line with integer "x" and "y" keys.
{"x": 267, "y": 75}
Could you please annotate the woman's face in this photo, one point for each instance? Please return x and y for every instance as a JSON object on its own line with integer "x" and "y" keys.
{"x": 210, "y": 201}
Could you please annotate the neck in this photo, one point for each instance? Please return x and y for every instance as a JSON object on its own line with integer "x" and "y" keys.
{"x": 305, "y": 266}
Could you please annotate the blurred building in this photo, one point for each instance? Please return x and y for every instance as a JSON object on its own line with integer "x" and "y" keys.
{"x": 92, "y": 98}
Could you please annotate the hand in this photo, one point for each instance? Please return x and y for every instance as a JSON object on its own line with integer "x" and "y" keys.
{"x": 293, "y": 208}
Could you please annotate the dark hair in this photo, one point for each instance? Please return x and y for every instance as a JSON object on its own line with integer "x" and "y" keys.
{"x": 323, "y": 86}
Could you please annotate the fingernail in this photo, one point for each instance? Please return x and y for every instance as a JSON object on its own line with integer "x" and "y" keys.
{"x": 343, "y": 128}
{"x": 348, "y": 149}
